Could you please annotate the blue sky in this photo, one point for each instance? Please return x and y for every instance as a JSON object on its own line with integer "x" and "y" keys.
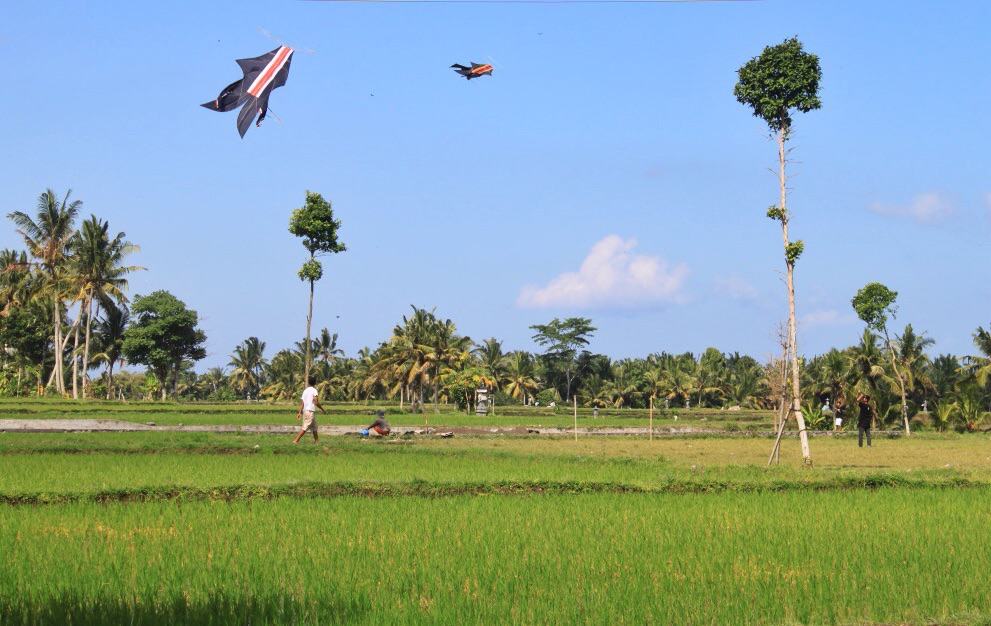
{"x": 604, "y": 170}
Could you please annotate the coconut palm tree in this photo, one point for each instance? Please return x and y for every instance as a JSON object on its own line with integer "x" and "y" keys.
{"x": 914, "y": 363}
{"x": 945, "y": 374}
{"x": 866, "y": 371}
{"x": 519, "y": 376}
{"x": 110, "y": 339}
{"x": 490, "y": 355}
{"x": 679, "y": 381}
{"x": 453, "y": 351}
{"x": 247, "y": 365}
{"x": 980, "y": 365}
{"x": 283, "y": 375}
{"x": 98, "y": 275}
{"x": 326, "y": 349}
{"x": 47, "y": 236}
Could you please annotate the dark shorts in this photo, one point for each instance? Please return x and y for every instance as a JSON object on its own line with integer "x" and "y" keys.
{"x": 381, "y": 431}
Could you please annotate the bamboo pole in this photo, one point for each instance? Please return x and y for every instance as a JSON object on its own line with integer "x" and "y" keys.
{"x": 777, "y": 442}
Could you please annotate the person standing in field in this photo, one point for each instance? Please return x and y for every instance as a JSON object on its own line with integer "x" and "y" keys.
{"x": 865, "y": 420}
{"x": 307, "y": 410}
{"x": 839, "y": 408}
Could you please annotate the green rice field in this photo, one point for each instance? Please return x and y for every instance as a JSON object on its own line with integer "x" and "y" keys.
{"x": 198, "y": 528}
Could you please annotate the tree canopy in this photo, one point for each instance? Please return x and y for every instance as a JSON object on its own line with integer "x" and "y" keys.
{"x": 315, "y": 223}
{"x": 162, "y": 335}
{"x": 875, "y": 304}
{"x": 783, "y": 78}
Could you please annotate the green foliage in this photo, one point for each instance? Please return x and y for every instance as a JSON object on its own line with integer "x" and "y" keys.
{"x": 875, "y": 304}
{"x": 783, "y": 78}
{"x": 775, "y": 212}
{"x": 315, "y": 223}
{"x": 312, "y": 270}
{"x": 163, "y": 334}
{"x": 793, "y": 251}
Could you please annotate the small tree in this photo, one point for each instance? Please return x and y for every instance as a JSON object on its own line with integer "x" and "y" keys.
{"x": 782, "y": 79}
{"x": 875, "y": 304}
{"x": 563, "y": 339}
{"x": 315, "y": 223}
{"x": 162, "y": 335}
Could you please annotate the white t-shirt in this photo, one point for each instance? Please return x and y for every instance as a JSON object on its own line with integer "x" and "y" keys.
{"x": 309, "y": 395}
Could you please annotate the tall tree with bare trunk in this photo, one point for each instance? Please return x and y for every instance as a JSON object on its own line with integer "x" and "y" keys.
{"x": 784, "y": 78}
{"x": 314, "y": 222}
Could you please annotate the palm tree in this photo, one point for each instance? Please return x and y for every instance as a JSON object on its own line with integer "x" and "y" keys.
{"x": 326, "y": 349}
{"x": 110, "y": 338}
{"x": 489, "y": 353}
{"x": 914, "y": 363}
{"x": 980, "y": 366}
{"x": 212, "y": 381}
{"x": 519, "y": 377}
{"x": 47, "y": 237}
{"x": 283, "y": 375}
{"x": 98, "y": 275}
{"x": 247, "y": 364}
{"x": 678, "y": 380}
{"x": 866, "y": 370}
{"x": 944, "y": 372}
{"x": 16, "y": 281}
{"x": 453, "y": 351}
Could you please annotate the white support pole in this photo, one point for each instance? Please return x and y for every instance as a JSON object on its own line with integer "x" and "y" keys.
{"x": 651, "y": 431}
{"x": 575, "y": 398}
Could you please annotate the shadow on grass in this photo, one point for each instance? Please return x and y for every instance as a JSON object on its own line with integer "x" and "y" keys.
{"x": 215, "y": 610}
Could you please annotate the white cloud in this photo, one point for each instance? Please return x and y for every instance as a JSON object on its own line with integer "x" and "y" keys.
{"x": 736, "y": 287}
{"x": 825, "y": 317}
{"x": 925, "y": 208}
{"x": 611, "y": 276}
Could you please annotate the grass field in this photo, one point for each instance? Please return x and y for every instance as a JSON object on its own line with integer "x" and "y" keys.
{"x": 256, "y": 413}
{"x": 197, "y": 528}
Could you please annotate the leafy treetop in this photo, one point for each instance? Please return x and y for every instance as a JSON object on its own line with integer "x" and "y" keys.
{"x": 874, "y": 304}
{"x": 315, "y": 223}
{"x": 782, "y": 78}
{"x": 563, "y": 338}
{"x": 163, "y": 332}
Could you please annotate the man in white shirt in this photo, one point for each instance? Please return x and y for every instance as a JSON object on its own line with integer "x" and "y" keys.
{"x": 310, "y": 403}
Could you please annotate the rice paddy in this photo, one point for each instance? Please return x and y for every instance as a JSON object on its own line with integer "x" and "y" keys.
{"x": 198, "y": 528}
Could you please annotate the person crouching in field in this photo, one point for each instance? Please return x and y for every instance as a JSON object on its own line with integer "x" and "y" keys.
{"x": 864, "y": 420}
{"x": 307, "y": 409}
{"x": 379, "y": 427}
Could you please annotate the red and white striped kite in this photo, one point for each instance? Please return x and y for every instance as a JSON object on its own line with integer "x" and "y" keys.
{"x": 261, "y": 75}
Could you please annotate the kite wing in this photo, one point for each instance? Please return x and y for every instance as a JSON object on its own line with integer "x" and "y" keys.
{"x": 262, "y": 74}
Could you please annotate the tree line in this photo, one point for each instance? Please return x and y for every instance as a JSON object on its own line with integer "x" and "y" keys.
{"x": 68, "y": 289}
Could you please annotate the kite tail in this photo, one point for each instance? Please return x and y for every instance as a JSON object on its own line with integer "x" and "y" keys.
{"x": 247, "y": 115}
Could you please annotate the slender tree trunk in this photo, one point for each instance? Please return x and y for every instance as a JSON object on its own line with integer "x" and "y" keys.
{"x": 57, "y": 371}
{"x": 901, "y": 382}
{"x": 75, "y": 356}
{"x": 89, "y": 319}
{"x": 437, "y": 388}
{"x": 796, "y": 397}
{"x": 309, "y": 321}
{"x": 110, "y": 378}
